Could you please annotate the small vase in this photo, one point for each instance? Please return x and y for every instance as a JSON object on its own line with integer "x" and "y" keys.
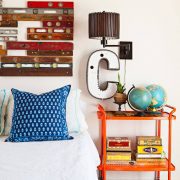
{"x": 120, "y": 98}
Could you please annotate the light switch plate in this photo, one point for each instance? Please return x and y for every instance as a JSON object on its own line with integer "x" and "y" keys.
{"x": 126, "y": 50}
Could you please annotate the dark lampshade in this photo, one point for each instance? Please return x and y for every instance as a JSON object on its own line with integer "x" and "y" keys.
{"x": 104, "y": 24}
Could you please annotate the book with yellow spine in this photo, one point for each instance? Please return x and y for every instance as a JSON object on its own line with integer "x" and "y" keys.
{"x": 118, "y": 156}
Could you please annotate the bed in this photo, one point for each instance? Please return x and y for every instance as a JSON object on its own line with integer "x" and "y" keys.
{"x": 75, "y": 159}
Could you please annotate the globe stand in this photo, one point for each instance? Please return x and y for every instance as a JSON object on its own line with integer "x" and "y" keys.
{"x": 119, "y": 112}
{"x": 141, "y": 114}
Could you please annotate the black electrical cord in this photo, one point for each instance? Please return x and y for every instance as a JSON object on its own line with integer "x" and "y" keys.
{"x": 125, "y": 79}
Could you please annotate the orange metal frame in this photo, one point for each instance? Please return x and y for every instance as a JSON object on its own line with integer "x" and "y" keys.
{"x": 105, "y": 115}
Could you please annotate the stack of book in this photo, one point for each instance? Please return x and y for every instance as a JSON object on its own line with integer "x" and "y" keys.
{"x": 118, "y": 150}
{"x": 150, "y": 151}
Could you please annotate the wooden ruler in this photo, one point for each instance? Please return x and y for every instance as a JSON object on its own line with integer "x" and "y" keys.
{"x": 35, "y": 11}
{"x": 8, "y": 24}
{"x": 36, "y": 17}
{"x": 50, "y": 4}
{"x": 49, "y": 53}
{"x": 65, "y": 46}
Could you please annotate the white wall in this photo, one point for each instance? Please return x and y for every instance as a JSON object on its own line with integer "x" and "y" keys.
{"x": 154, "y": 28}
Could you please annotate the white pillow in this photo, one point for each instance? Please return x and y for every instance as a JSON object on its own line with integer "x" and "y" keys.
{"x": 74, "y": 115}
{"x": 9, "y": 115}
{"x": 4, "y": 96}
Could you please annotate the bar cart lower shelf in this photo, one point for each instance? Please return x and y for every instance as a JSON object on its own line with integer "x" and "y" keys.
{"x": 110, "y": 167}
{"x": 105, "y": 116}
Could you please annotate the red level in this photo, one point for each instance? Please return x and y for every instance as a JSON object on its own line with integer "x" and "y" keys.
{"x": 50, "y": 4}
{"x": 65, "y": 46}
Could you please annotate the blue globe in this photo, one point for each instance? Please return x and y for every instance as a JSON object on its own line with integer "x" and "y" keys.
{"x": 159, "y": 96}
{"x": 139, "y": 99}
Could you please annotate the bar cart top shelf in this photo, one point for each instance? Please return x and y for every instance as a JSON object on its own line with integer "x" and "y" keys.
{"x": 132, "y": 115}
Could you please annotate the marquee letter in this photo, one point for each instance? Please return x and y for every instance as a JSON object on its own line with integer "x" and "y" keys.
{"x": 93, "y": 73}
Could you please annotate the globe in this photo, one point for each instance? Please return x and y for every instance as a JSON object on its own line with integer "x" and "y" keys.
{"x": 158, "y": 96}
{"x": 139, "y": 99}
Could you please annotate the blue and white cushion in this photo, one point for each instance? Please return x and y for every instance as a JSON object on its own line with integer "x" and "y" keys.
{"x": 74, "y": 116}
{"x": 39, "y": 117}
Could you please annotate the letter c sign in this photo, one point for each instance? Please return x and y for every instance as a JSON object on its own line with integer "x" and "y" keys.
{"x": 93, "y": 73}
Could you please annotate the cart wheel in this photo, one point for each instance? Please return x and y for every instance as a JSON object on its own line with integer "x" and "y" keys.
{"x": 100, "y": 175}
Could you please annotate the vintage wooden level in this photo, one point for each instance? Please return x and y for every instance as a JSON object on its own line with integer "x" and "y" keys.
{"x": 8, "y": 31}
{"x": 36, "y": 17}
{"x": 57, "y": 23}
{"x": 50, "y": 30}
{"x": 36, "y": 71}
{"x": 8, "y": 38}
{"x": 48, "y": 36}
{"x": 49, "y": 53}
{"x": 65, "y": 46}
{"x": 35, "y": 59}
{"x": 35, "y": 11}
{"x": 50, "y": 4}
{"x": 8, "y": 24}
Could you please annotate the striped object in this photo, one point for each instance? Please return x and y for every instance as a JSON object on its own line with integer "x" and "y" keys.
{"x": 4, "y": 96}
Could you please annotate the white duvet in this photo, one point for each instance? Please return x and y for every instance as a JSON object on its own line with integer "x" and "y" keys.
{"x": 75, "y": 159}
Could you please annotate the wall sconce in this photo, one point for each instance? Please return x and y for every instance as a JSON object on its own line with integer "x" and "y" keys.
{"x": 105, "y": 26}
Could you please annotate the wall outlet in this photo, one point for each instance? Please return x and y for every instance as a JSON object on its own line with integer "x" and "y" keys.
{"x": 126, "y": 51}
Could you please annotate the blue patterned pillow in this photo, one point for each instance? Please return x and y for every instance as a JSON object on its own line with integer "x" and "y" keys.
{"x": 39, "y": 117}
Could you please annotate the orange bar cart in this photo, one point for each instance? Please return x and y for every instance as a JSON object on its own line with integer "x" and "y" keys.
{"x": 105, "y": 116}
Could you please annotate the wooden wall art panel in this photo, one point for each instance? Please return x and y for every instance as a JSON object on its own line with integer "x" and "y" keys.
{"x": 44, "y": 58}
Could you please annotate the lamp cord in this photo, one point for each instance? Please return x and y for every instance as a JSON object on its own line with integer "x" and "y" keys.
{"x": 125, "y": 73}
{"x": 125, "y": 79}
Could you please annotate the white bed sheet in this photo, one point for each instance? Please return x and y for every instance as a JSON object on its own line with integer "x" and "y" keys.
{"x": 75, "y": 159}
